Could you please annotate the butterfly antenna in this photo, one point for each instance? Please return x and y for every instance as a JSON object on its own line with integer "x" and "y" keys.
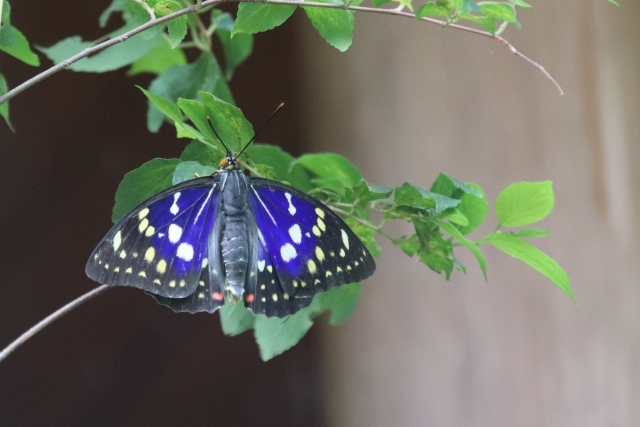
{"x": 218, "y": 136}
{"x": 261, "y": 128}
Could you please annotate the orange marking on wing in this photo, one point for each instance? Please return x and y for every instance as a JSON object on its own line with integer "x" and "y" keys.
{"x": 218, "y": 296}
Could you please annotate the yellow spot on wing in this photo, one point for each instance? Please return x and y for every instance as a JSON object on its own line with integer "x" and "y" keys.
{"x": 274, "y": 297}
{"x": 316, "y": 282}
{"x": 123, "y": 254}
{"x": 286, "y": 296}
{"x": 143, "y": 274}
{"x": 143, "y": 225}
{"x": 263, "y": 287}
{"x": 311, "y": 266}
{"x": 320, "y": 212}
{"x": 144, "y": 212}
{"x": 150, "y": 231}
{"x": 342, "y": 253}
{"x": 162, "y": 266}
{"x": 345, "y": 239}
{"x": 356, "y": 263}
{"x": 106, "y": 266}
{"x": 319, "y": 254}
{"x": 270, "y": 268}
{"x": 303, "y": 284}
{"x": 129, "y": 270}
{"x": 338, "y": 270}
{"x": 321, "y": 225}
{"x": 316, "y": 231}
{"x": 295, "y": 283}
{"x": 150, "y": 254}
{"x": 328, "y": 274}
{"x": 264, "y": 299}
{"x": 348, "y": 267}
{"x": 157, "y": 282}
{"x": 201, "y": 283}
{"x": 183, "y": 283}
{"x": 172, "y": 284}
{"x": 116, "y": 270}
{"x": 201, "y": 295}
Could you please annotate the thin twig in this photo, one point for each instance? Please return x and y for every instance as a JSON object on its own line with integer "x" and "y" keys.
{"x": 97, "y": 48}
{"x": 50, "y": 319}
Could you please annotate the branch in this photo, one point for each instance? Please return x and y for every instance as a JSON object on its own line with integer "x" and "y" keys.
{"x": 192, "y": 9}
{"x": 50, "y": 319}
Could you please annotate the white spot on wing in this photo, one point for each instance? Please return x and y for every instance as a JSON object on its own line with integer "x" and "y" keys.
{"x": 205, "y": 262}
{"x": 292, "y": 209}
{"x": 288, "y": 252}
{"x": 174, "y": 207}
{"x": 264, "y": 206}
{"x": 295, "y": 233}
{"x": 175, "y": 233}
{"x": 185, "y": 252}
{"x": 307, "y": 234}
{"x": 261, "y": 265}
{"x": 205, "y": 203}
{"x": 117, "y": 240}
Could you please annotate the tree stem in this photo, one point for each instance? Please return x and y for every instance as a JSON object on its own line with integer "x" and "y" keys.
{"x": 191, "y": 9}
{"x": 50, "y": 319}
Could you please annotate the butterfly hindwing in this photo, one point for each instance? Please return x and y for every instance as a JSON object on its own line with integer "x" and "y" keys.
{"x": 161, "y": 246}
{"x": 305, "y": 247}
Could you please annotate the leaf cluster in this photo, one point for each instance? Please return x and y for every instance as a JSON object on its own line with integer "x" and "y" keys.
{"x": 441, "y": 216}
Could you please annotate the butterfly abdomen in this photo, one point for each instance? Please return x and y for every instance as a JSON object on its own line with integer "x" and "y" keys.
{"x": 234, "y": 244}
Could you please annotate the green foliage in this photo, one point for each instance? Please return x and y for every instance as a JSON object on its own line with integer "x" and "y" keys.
{"x": 185, "y": 93}
{"x": 440, "y": 216}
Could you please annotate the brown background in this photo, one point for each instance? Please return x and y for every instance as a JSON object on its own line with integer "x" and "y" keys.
{"x": 409, "y": 100}
{"x": 121, "y": 359}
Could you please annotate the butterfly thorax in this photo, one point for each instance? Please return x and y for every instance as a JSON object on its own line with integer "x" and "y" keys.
{"x": 234, "y": 243}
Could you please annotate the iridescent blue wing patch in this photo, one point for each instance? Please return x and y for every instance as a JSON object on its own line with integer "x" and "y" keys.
{"x": 162, "y": 245}
{"x": 305, "y": 249}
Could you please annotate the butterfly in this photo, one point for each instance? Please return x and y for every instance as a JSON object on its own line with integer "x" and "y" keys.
{"x": 229, "y": 238}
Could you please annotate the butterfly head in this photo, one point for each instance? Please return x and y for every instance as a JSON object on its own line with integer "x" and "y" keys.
{"x": 229, "y": 162}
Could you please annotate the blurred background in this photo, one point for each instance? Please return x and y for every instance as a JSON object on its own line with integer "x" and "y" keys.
{"x": 407, "y": 101}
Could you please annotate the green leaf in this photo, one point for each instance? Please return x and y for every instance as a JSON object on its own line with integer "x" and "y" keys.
{"x": 186, "y": 82}
{"x": 142, "y": 183}
{"x": 470, "y": 6}
{"x": 6, "y": 13}
{"x": 197, "y": 113}
{"x": 115, "y": 6}
{"x": 158, "y": 59}
{"x": 4, "y": 107}
{"x": 474, "y": 208}
{"x": 177, "y": 28}
{"x": 235, "y": 319}
{"x": 453, "y": 188}
{"x": 410, "y": 195}
{"x": 489, "y": 24}
{"x": 498, "y": 10}
{"x": 366, "y": 192}
{"x": 457, "y": 217}
{"x": 112, "y": 58}
{"x": 522, "y": 3}
{"x": 409, "y": 245}
{"x": 531, "y": 233}
{"x": 334, "y": 25}
{"x": 201, "y": 153}
{"x": 432, "y": 9}
{"x": 166, "y": 7}
{"x": 282, "y": 164}
{"x": 532, "y": 256}
{"x": 236, "y": 49}
{"x": 524, "y": 203}
{"x": 455, "y": 233}
{"x": 379, "y": 3}
{"x": 167, "y": 107}
{"x": 331, "y": 166}
{"x": 257, "y": 17}
{"x": 437, "y": 260}
{"x": 228, "y": 121}
{"x": 15, "y": 44}
{"x": 274, "y": 335}
{"x": 366, "y": 234}
{"x": 190, "y": 170}
{"x": 342, "y": 301}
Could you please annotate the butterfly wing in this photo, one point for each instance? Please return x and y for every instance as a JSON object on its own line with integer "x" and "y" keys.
{"x": 161, "y": 246}
{"x": 304, "y": 249}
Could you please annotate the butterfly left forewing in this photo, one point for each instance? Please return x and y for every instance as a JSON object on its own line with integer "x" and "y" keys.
{"x": 160, "y": 246}
{"x": 310, "y": 248}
